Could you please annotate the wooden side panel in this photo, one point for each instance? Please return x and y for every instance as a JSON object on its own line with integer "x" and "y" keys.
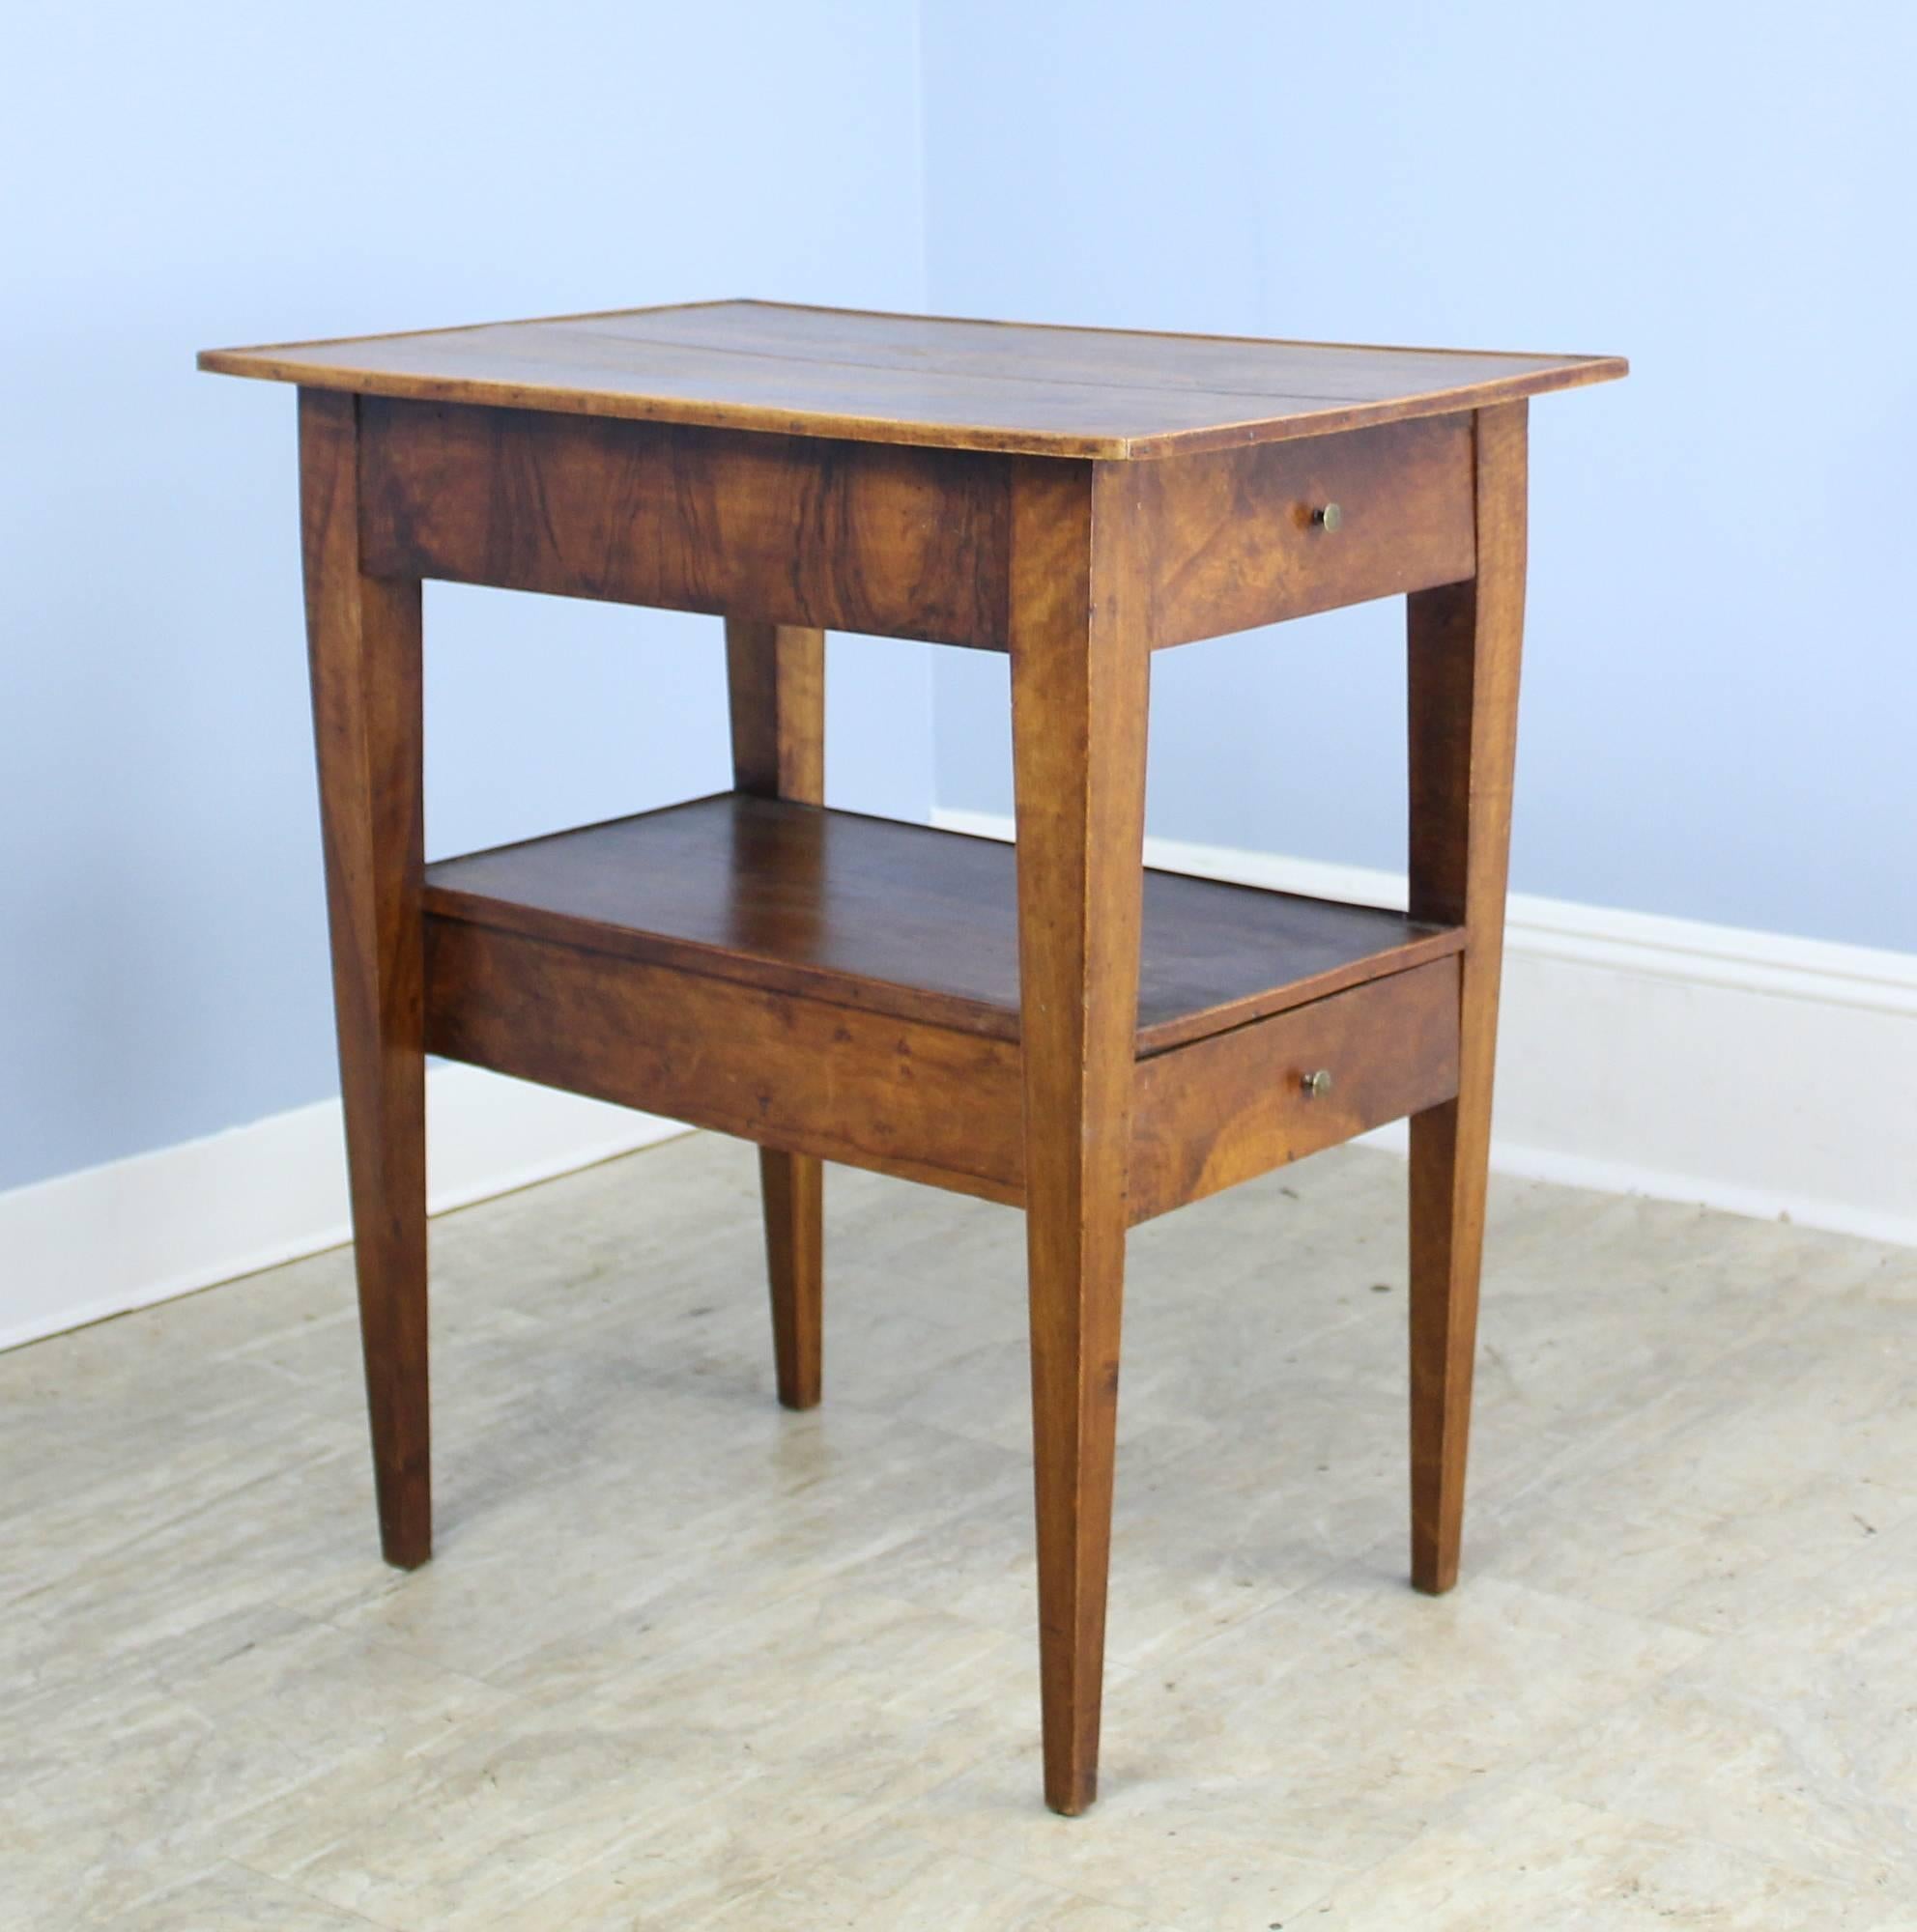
{"x": 1233, "y": 543}
{"x": 797, "y": 531}
{"x": 1224, "y": 1109}
{"x": 794, "y": 1074}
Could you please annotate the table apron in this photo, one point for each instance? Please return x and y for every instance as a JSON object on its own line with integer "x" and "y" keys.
{"x": 885, "y": 539}
{"x": 893, "y": 540}
{"x": 923, "y": 1102}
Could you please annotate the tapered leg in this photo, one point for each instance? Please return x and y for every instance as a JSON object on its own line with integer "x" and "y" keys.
{"x": 775, "y": 679}
{"x": 1465, "y": 643}
{"x": 1079, "y": 680}
{"x": 363, "y": 642}
{"x": 791, "y": 1187}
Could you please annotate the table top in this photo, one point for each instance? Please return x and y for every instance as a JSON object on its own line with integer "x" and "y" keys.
{"x": 925, "y": 380}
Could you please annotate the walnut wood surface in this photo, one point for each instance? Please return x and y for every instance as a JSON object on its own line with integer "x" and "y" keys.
{"x": 901, "y": 919}
{"x": 1463, "y": 648}
{"x": 717, "y": 520}
{"x": 363, "y": 636}
{"x": 714, "y": 1052}
{"x": 774, "y": 697}
{"x": 1080, "y": 683}
{"x": 797, "y": 1075}
{"x": 1048, "y": 1027}
{"x": 775, "y": 687}
{"x": 1231, "y": 541}
{"x": 902, "y": 543}
{"x": 1227, "y": 1108}
{"x": 902, "y": 379}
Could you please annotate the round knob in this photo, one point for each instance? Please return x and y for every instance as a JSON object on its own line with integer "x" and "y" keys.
{"x": 1328, "y": 516}
{"x": 1317, "y": 1084}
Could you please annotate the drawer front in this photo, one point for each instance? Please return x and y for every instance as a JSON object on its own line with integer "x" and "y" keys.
{"x": 1242, "y": 537}
{"x": 1239, "y": 1103}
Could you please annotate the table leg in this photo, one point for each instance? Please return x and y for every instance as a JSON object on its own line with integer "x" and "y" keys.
{"x": 775, "y": 681}
{"x": 364, "y": 646}
{"x": 1079, "y": 684}
{"x": 1464, "y": 647}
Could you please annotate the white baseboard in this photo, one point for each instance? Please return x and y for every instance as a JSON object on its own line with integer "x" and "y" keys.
{"x": 98, "y": 1242}
{"x": 1752, "y": 1071}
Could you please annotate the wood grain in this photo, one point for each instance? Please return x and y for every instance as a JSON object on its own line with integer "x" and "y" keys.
{"x": 775, "y": 692}
{"x": 902, "y": 543}
{"x": 1464, "y": 648}
{"x": 1234, "y": 1106}
{"x": 1232, "y": 544}
{"x": 901, "y": 919}
{"x": 918, "y": 380}
{"x": 363, "y": 636}
{"x": 1050, "y": 1028}
{"x": 775, "y": 683}
{"x": 799, "y": 1075}
{"x": 1081, "y": 673}
{"x": 1205, "y": 1116}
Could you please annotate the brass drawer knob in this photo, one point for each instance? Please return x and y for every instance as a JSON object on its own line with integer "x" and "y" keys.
{"x": 1328, "y": 516}
{"x": 1317, "y": 1084}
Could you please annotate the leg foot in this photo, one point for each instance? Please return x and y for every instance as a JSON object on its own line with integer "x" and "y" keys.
{"x": 793, "y": 1186}
{"x": 1447, "y": 1222}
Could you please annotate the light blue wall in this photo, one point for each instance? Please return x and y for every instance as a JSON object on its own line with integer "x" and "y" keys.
{"x": 233, "y": 173}
{"x": 1722, "y": 685}
{"x": 1720, "y": 716}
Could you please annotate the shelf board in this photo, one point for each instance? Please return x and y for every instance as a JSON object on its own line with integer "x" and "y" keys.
{"x": 899, "y": 919}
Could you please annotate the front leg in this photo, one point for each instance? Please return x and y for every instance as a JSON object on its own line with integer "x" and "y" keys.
{"x": 1080, "y": 683}
{"x": 364, "y": 647}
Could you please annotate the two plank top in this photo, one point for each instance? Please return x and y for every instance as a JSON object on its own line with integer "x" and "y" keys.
{"x": 840, "y": 373}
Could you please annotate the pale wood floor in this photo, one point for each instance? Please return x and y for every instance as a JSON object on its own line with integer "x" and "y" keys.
{"x": 684, "y": 1660}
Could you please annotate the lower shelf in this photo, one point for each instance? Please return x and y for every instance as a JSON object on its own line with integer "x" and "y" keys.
{"x": 753, "y": 1005}
{"x": 899, "y": 919}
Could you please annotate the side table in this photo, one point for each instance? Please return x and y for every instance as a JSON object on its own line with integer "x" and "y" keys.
{"x": 1050, "y": 1026}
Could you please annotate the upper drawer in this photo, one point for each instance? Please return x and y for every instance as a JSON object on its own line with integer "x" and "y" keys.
{"x": 1252, "y": 536}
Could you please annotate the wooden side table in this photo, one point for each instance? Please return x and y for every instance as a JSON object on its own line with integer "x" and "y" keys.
{"x": 1051, "y": 1027}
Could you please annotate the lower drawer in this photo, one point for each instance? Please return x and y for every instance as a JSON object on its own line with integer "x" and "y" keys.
{"x": 929, "y": 1103}
{"x": 1238, "y": 1103}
